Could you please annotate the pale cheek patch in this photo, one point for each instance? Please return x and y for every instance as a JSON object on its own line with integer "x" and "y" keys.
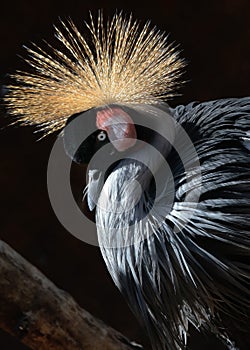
{"x": 119, "y": 127}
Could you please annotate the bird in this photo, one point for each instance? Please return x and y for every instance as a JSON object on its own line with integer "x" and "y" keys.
{"x": 170, "y": 186}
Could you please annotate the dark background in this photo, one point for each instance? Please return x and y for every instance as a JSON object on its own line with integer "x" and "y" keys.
{"x": 214, "y": 36}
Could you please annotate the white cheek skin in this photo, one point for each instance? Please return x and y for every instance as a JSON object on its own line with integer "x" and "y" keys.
{"x": 119, "y": 127}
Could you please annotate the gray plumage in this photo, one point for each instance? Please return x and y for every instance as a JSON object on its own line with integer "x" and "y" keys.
{"x": 177, "y": 251}
{"x": 173, "y": 278}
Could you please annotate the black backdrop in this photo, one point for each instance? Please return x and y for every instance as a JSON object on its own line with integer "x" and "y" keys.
{"x": 214, "y": 36}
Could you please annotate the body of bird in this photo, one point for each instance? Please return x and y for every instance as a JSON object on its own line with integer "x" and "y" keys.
{"x": 173, "y": 210}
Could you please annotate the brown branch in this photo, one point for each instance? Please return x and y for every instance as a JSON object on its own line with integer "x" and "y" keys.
{"x": 45, "y": 317}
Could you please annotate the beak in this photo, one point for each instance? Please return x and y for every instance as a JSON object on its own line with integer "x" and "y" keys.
{"x": 95, "y": 184}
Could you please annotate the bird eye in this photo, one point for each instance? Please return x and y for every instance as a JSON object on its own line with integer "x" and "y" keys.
{"x": 101, "y": 136}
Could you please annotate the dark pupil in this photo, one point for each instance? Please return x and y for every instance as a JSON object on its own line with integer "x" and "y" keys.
{"x": 101, "y": 136}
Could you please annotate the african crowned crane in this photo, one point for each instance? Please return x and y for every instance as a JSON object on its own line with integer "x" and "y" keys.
{"x": 173, "y": 204}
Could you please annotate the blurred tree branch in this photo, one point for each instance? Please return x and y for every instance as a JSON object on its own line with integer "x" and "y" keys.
{"x": 45, "y": 317}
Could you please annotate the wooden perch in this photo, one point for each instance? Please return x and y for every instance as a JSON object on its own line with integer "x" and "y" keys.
{"x": 45, "y": 317}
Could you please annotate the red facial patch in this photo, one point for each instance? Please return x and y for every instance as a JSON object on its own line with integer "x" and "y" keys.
{"x": 119, "y": 127}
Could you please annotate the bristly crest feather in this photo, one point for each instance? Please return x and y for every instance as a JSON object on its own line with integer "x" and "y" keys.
{"x": 127, "y": 65}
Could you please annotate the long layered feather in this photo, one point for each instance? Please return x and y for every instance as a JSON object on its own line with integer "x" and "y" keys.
{"x": 172, "y": 277}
